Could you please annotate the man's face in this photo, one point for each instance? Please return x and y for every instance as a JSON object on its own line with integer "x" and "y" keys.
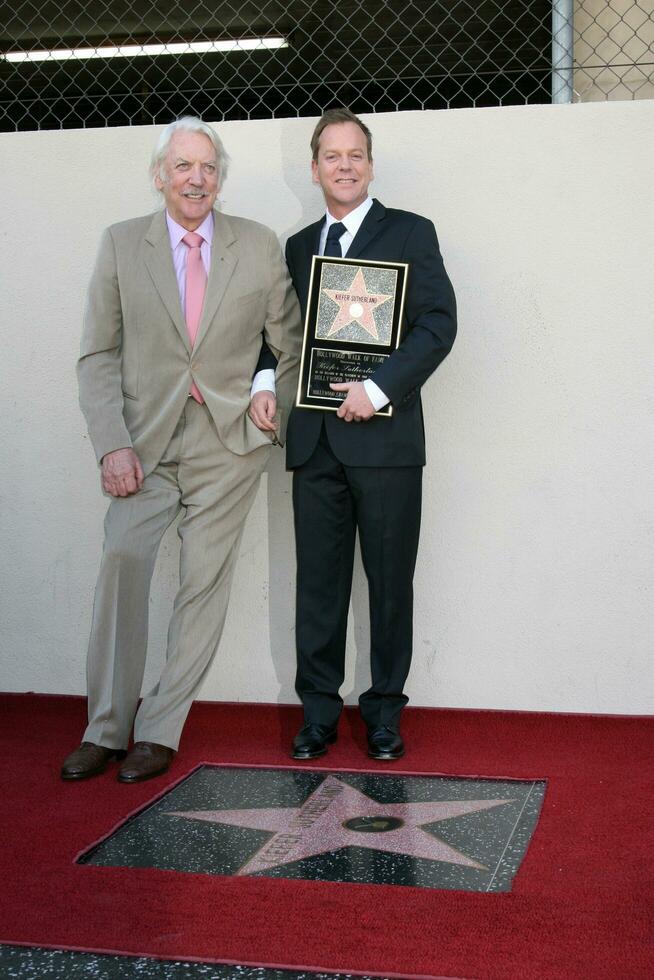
{"x": 190, "y": 185}
{"x": 342, "y": 169}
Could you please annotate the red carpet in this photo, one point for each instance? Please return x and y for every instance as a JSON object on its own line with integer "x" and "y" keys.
{"x": 581, "y": 905}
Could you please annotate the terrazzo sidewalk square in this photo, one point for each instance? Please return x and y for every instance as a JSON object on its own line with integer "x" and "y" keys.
{"x": 387, "y": 829}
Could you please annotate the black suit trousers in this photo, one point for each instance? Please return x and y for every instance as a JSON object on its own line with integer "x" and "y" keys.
{"x": 331, "y": 502}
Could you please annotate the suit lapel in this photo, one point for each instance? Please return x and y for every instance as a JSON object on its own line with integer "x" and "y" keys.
{"x": 310, "y": 244}
{"x": 311, "y": 248}
{"x": 224, "y": 260}
{"x": 314, "y": 239}
{"x": 159, "y": 263}
{"x": 302, "y": 248}
{"x": 370, "y": 228}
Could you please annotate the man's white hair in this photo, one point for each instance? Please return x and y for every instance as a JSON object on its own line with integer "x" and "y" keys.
{"x": 190, "y": 124}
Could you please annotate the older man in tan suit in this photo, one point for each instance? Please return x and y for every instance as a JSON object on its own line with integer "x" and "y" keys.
{"x": 178, "y": 308}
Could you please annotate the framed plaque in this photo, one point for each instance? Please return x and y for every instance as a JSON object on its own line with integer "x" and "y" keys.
{"x": 353, "y": 323}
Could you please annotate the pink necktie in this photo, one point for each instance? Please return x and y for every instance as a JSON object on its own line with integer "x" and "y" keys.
{"x": 196, "y": 286}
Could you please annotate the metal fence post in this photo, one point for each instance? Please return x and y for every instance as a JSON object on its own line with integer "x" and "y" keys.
{"x": 562, "y": 50}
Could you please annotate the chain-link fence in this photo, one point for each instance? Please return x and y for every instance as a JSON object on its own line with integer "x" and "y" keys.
{"x": 122, "y": 62}
{"x": 613, "y": 50}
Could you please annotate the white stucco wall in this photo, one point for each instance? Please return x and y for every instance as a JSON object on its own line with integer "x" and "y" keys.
{"x": 533, "y": 589}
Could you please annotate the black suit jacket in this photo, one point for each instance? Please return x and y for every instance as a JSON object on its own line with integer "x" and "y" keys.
{"x": 428, "y": 333}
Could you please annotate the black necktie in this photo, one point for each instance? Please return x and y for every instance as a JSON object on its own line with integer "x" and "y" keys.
{"x": 332, "y": 245}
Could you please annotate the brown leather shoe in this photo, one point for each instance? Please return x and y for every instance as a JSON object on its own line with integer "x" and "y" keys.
{"x": 88, "y": 760}
{"x": 147, "y": 759}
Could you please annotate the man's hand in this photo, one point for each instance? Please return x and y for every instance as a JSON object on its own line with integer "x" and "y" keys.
{"x": 263, "y": 406}
{"x": 122, "y": 473}
{"x": 357, "y": 407}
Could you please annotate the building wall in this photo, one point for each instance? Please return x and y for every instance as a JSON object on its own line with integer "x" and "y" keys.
{"x": 535, "y": 569}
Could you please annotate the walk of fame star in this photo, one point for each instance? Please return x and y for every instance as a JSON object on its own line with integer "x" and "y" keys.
{"x": 337, "y": 815}
{"x": 356, "y": 303}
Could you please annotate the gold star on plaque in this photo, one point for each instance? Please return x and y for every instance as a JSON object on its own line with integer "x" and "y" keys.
{"x": 356, "y": 304}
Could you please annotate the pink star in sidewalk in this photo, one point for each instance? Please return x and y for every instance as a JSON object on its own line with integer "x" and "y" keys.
{"x": 337, "y": 815}
{"x": 356, "y": 304}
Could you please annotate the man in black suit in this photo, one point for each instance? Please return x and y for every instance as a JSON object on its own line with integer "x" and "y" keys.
{"x": 355, "y": 470}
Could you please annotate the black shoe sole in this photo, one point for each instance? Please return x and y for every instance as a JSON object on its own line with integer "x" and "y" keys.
{"x": 304, "y": 755}
{"x": 385, "y": 756}
{"x": 142, "y": 777}
{"x": 87, "y": 774}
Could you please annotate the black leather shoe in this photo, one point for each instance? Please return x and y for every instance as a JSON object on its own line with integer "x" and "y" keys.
{"x": 312, "y": 741}
{"x": 147, "y": 759}
{"x": 88, "y": 760}
{"x": 385, "y": 743}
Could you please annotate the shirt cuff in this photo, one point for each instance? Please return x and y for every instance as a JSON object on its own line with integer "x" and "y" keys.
{"x": 374, "y": 393}
{"x": 263, "y": 381}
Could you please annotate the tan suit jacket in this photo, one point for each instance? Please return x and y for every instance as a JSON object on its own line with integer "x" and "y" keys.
{"x": 136, "y": 364}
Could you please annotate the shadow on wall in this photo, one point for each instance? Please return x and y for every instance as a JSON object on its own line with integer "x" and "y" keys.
{"x": 281, "y": 538}
{"x": 281, "y": 594}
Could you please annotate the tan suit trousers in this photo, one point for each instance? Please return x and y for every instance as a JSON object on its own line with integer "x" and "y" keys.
{"x": 215, "y": 488}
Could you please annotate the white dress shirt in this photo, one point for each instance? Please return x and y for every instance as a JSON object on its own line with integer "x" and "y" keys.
{"x": 352, "y": 222}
